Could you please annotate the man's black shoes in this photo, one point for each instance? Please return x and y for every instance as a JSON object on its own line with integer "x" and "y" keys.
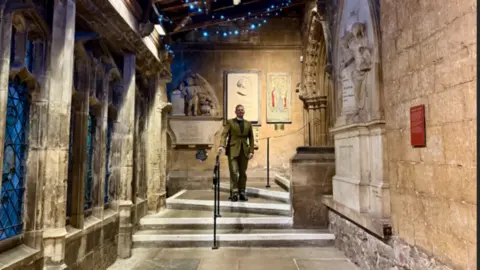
{"x": 243, "y": 197}
{"x": 234, "y": 198}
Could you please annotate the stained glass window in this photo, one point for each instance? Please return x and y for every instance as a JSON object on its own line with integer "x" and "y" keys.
{"x": 29, "y": 59}
{"x": 107, "y": 169}
{"x": 89, "y": 174}
{"x": 14, "y": 162}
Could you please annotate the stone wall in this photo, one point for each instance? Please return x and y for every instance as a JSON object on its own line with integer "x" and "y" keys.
{"x": 369, "y": 252}
{"x": 429, "y": 57}
{"x": 275, "y": 48}
{"x": 72, "y": 217}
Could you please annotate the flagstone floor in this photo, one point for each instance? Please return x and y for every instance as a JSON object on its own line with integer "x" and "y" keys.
{"x": 230, "y": 258}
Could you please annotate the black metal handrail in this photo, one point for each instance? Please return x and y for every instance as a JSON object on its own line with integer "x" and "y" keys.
{"x": 216, "y": 199}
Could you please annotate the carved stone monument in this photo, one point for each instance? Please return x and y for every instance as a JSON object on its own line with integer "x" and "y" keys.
{"x": 359, "y": 182}
{"x": 195, "y": 119}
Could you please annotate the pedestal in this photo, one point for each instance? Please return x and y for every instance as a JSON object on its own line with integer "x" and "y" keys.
{"x": 359, "y": 182}
{"x": 312, "y": 172}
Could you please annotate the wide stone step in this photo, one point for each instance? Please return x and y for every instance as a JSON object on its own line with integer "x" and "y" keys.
{"x": 242, "y": 207}
{"x": 153, "y": 222}
{"x": 203, "y": 200}
{"x": 280, "y": 196}
{"x": 202, "y": 238}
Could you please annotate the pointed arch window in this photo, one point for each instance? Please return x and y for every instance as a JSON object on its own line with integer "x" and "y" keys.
{"x": 14, "y": 161}
{"x": 107, "y": 165}
{"x": 92, "y": 123}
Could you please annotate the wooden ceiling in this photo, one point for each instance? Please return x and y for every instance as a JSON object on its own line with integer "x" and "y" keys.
{"x": 181, "y": 16}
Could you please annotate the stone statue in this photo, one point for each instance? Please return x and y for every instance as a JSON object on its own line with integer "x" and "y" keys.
{"x": 192, "y": 93}
{"x": 358, "y": 63}
{"x": 205, "y": 105}
{"x": 178, "y": 100}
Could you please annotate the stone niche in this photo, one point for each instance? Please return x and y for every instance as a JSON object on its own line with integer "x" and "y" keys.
{"x": 360, "y": 182}
{"x": 194, "y": 120}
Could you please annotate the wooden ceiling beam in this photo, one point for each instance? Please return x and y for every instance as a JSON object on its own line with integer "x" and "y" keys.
{"x": 209, "y": 7}
{"x": 174, "y": 8}
{"x": 183, "y": 23}
{"x": 192, "y": 14}
{"x": 220, "y": 21}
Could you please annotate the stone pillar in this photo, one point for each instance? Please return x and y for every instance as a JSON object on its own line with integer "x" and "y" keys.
{"x": 122, "y": 156}
{"x": 312, "y": 172}
{"x": 156, "y": 134}
{"x": 59, "y": 85}
{"x": 316, "y": 111}
{"x": 100, "y": 154}
{"x": 5, "y": 44}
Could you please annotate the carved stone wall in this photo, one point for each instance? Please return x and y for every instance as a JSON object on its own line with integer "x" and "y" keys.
{"x": 76, "y": 177}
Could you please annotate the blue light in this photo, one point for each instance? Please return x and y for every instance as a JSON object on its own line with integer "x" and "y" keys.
{"x": 199, "y": 10}
{"x": 249, "y": 13}
{"x": 259, "y": 25}
{"x": 191, "y": 6}
{"x": 205, "y": 34}
{"x": 236, "y": 32}
{"x": 221, "y": 17}
{"x": 273, "y": 6}
{"x": 224, "y": 34}
{"x": 268, "y": 9}
{"x": 186, "y": 1}
{"x": 252, "y": 26}
{"x": 276, "y": 14}
{"x": 264, "y": 21}
{"x": 217, "y": 32}
{"x": 213, "y": 16}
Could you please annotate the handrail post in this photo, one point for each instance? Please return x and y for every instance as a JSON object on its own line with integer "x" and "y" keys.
{"x": 268, "y": 163}
{"x": 216, "y": 199}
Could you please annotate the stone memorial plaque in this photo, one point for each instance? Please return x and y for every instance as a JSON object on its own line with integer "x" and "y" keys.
{"x": 417, "y": 126}
{"x": 195, "y": 130}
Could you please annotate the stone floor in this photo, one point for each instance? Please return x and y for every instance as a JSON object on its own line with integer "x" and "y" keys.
{"x": 227, "y": 258}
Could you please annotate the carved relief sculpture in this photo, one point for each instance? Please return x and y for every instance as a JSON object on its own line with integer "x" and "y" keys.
{"x": 355, "y": 42}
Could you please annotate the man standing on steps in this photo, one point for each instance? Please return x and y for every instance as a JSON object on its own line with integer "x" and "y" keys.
{"x": 238, "y": 130}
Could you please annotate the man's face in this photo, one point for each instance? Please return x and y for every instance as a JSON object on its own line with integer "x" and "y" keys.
{"x": 240, "y": 111}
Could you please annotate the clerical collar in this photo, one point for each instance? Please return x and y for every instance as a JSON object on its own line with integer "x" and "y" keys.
{"x": 239, "y": 119}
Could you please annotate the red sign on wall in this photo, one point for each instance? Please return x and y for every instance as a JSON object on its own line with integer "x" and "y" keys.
{"x": 417, "y": 126}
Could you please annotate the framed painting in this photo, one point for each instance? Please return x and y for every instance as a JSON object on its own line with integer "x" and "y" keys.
{"x": 242, "y": 87}
{"x": 279, "y": 98}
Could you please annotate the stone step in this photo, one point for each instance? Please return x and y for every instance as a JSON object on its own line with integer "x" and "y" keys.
{"x": 283, "y": 182}
{"x": 233, "y": 237}
{"x": 154, "y": 222}
{"x": 280, "y": 196}
{"x": 195, "y": 200}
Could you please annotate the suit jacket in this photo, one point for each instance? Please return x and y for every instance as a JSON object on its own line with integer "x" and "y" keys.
{"x": 237, "y": 139}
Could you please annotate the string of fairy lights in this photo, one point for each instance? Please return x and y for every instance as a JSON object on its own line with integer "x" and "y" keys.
{"x": 255, "y": 19}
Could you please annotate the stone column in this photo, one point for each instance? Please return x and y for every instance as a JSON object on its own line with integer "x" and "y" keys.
{"x": 5, "y": 43}
{"x": 59, "y": 85}
{"x": 156, "y": 190}
{"x": 100, "y": 154}
{"x": 122, "y": 156}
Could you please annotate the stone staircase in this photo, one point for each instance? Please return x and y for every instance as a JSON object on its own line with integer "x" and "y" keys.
{"x": 265, "y": 220}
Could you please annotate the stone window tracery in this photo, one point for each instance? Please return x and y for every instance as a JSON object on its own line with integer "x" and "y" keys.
{"x": 14, "y": 162}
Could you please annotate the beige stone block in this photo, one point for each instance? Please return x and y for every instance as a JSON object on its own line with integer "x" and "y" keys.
{"x": 414, "y": 54}
{"x": 451, "y": 11}
{"x": 402, "y": 64}
{"x": 434, "y": 151}
{"x": 405, "y": 176}
{"x": 447, "y": 106}
{"x": 404, "y": 38}
{"x": 421, "y": 227}
{"x": 405, "y": 88}
{"x": 460, "y": 143}
{"x": 435, "y": 215}
{"x": 424, "y": 179}
{"x": 450, "y": 249}
{"x": 470, "y": 95}
{"x": 428, "y": 50}
{"x": 456, "y": 69}
{"x": 423, "y": 81}
{"x": 462, "y": 222}
{"x": 472, "y": 256}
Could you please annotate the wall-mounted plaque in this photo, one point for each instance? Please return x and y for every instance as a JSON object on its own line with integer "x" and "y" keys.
{"x": 242, "y": 87}
{"x": 417, "y": 126}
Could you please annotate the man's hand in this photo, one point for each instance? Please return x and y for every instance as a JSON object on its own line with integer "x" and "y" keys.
{"x": 250, "y": 156}
{"x": 220, "y": 149}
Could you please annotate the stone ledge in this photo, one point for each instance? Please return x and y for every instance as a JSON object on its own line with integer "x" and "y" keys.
{"x": 91, "y": 224}
{"x": 19, "y": 257}
{"x": 380, "y": 227}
